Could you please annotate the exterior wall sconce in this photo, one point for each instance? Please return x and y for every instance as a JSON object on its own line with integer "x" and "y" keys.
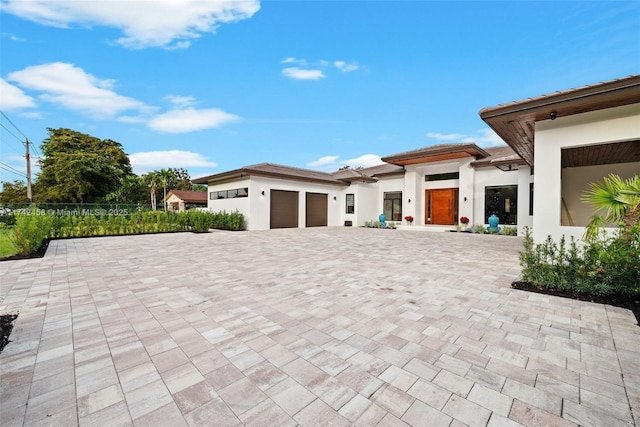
{"x": 465, "y": 199}
{"x": 409, "y": 201}
{"x": 334, "y": 198}
{"x": 262, "y": 192}
{"x": 553, "y": 115}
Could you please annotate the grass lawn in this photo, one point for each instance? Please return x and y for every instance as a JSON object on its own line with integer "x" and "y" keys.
{"x": 7, "y": 248}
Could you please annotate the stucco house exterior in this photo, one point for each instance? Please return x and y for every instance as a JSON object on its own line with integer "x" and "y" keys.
{"x": 578, "y": 136}
{"x": 572, "y": 138}
{"x": 181, "y": 200}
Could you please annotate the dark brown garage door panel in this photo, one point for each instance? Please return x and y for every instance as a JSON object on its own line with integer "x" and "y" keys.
{"x": 316, "y": 208}
{"x": 284, "y": 209}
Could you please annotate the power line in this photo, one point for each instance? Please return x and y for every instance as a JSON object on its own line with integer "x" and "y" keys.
{"x": 11, "y": 169}
{"x": 16, "y": 127}
{"x": 11, "y": 133}
{"x": 34, "y": 148}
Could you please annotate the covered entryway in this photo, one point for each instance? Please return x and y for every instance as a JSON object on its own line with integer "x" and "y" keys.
{"x": 284, "y": 209}
{"x": 441, "y": 206}
{"x": 316, "y": 210}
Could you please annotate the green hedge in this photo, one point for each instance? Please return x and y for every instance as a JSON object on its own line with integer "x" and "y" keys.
{"x": 600, "y": 266}
{"x": 32, "y": 229}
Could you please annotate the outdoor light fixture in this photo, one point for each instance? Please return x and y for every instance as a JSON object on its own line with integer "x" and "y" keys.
{"x": 262, "y": 192}
{"x": 553, "y": 115}
{"x": 334, "y": 198}
{"x": 465, "y": 199}
{"x": 409, "y": 201}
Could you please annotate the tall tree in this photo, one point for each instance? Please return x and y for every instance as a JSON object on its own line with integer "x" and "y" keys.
{"x": 80, "y": 168}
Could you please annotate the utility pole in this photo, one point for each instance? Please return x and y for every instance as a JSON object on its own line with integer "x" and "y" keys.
{"x": 28, "y": 157}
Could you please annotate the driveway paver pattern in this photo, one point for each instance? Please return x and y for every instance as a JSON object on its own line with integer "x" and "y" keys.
{"x": 322, "y": 326}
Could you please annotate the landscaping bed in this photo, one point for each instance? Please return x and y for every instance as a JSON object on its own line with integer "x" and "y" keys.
{"x": 6, "y": 326}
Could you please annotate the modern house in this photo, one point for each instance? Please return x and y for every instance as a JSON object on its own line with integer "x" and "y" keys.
{"x": 570, "y": 139}
{"x": 181, "y": 200}
{"x": 578, "y": 136}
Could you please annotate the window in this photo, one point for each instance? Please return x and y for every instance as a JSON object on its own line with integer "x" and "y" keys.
{"x": 531, "y": 198}
{"x": 502, "y": 202}
{"x": 392, "y": 205}
{"x": 229, "y": 194}
{"x": 351, "y": 203}
{"x": 442, "y": 176}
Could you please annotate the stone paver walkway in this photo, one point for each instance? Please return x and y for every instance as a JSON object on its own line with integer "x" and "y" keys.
{"x": 325, "y": 326}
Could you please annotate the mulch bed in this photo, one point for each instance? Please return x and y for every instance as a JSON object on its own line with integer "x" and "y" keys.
{"x": 37, "y": 254}
{"x": 6, "y": 325}
{"x": 617, "y": 300}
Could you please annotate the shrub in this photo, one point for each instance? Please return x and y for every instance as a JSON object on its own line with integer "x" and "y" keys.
{"x": 7, "y": 219}
{"x": 30, "y": 231}
{"x": 602, "y": 266}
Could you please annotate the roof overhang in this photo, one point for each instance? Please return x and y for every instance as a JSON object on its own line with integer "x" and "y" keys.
{"x": 242, "y": 173}
{"x": 515, "y": 122}
{"x": 436, "y": 154}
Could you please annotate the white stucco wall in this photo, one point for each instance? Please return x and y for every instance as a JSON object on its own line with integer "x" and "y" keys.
{"x": 365, "y": 203}
{"x": 259, "y": 205}
{"x": 524, "y": 180}
{"x": 241, "y": 204}
{"x": 491, "y": 177}
{"x": 619, "y": 124}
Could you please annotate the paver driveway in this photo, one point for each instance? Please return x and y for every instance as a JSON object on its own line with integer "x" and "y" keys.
{"x": 325, "y": 326}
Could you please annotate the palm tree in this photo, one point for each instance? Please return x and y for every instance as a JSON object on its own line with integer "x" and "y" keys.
{"x": 619, "y": 198}
{"x": 164, "y": 175}
{"x": 150, "y": 180}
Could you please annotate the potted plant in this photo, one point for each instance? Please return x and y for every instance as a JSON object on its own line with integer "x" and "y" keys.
{"x": 409, "y": 219}
{"x": 464, "y": 221}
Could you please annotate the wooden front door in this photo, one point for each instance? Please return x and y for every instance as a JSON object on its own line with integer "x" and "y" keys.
{"x": 441, "y": 206}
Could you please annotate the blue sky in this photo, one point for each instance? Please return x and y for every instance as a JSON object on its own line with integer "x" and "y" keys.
{"x": 212, "y": 86}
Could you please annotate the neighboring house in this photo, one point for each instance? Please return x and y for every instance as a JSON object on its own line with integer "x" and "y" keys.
{"x": 572, "y": 138}
{"x": 180, "y": 200}
{"x": 437, "y": 185}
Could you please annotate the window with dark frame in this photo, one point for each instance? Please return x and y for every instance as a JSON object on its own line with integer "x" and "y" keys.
{"x": 392, "y": 205}
{"x": 229, "y": 194}
{"x": 503, "y": 202}
{"x": 531, "y": 198}
{"x": 442, "y": 176}
{"x": 351, "y": 203}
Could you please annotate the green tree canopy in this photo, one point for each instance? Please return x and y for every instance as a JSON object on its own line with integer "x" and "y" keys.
{"x": 80, "y": 168}
{"x": 15, "y": 192}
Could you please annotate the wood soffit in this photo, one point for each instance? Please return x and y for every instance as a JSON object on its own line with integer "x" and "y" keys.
{"x": 515, "y": 122}
{"x": 603, "y": 154}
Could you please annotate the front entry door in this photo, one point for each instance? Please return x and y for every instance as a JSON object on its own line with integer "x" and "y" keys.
{"x": 441, "y": 206}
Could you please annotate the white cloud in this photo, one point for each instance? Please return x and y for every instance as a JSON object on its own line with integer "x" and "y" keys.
{"x": 71, "y": 87}
{"x": 150, "y": 160}
{"x": 300, "y": 74}
{"x": 446, "y": 136}
{"x": 169, "y": 24}
{"x": 344, "y": 67}
{"x": 482, "y": 138}
{"x": 181, "y": 101}
{"x": 323, "y": 161}
{"x": 13, "y": 98}
{"x": 365, "y": 161}
{"x": 316, "y": 70}
{"x": 488, "y": 138}
{"x": 190, "y": 119}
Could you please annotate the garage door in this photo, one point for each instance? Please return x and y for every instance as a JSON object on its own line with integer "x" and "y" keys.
{"x": 284, "y": 209}
{"x": 316, "y": 210}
